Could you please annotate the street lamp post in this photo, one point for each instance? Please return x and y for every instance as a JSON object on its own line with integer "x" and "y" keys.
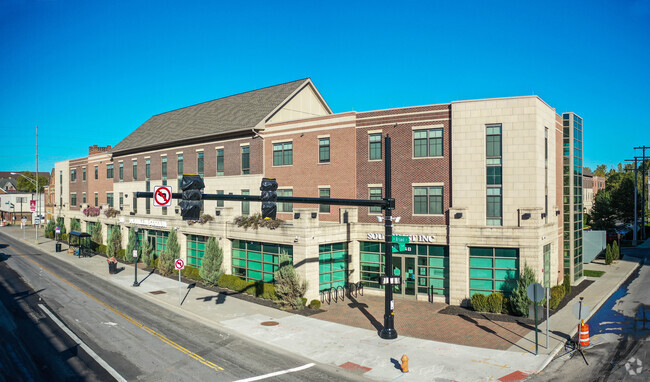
{"x": 135, "y": 280}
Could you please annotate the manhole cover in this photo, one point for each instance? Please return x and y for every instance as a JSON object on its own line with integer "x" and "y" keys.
{"x": 270, "y": 323}
{"x": 158, "y": 292}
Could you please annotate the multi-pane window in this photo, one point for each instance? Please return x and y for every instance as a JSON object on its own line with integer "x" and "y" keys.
{"x": 494, "y": 216}
{"x": 163, "y": 167}
{"x": 147, "y": 169}
{"x": 179, "y": 169}
{"x": 283, "y": 154}
{"x": 324, "y": 193}
{"x": 83, "y": 197}
{"x": 196, "y": 250}
{"x": 73, "y": 199}
{"x": 199, "y": 163}
{"x": 96, "y": 172}
{"x": 121, "y": 171}
{"x": 83, "y": 174}
{"x": 245, "y": 205}
{"x": 253, "y": 260}
{"x": 73, "y": 175}
{"x": 109, "y": 199}
{"x": 427, "y": 200}
{"x": 332, "y": 266}
{"x": 427, "y": 143}
{"x": 220, "y": 203}
{"x": 323, "y": 150}
{"x": 109, "y": 171}
{"x": 245, "y": 160}
{"x": 493, "y": 270}
{"x": 158, "y": 240}
{"x": 220, "y": 163}
{"x": 374, "y": 146}
{"x": 96, "y": 199}
{"x": 135, "y": 170}
{"x": 375, "y": 194}
{"x": 285, "y": 207}
{"x": 134, "y": 204}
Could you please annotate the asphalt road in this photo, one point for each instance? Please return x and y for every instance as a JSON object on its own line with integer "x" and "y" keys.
{"x": 620, "y": 331}
{"x": 139, "y": 340}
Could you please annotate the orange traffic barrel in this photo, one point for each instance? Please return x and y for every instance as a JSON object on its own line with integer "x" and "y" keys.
{"x": 584, "y": 335}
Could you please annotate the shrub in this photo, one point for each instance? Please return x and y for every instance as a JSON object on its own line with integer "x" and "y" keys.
{"x": 169, "y": 255}
{"x": 227, "y": 281}
{"x": 616, "y": 251}
{"x": 102, "y": 249}
{"x": 60, "y": 224}
{"x": 96, "y": 234}
{"x": 566, "y": 283}
{"x": 268, "y": 292}
{"x": 111, "y": 212}
{"x": 75, "y": 225}
{"x": 130, "y": 246}
{"x": 479, "y": 302}
{"x": 49, "y": 229}
{"x": 288, "y": 286}
{"x": 505, "y": 306}
{"x": 557, "y": 294}
{"x": 314, "y": 304}
{"x": 191, "y": 273}
{"x": 212, "y": 261}
{"x": 114, "y": 244}
{"x": 495, "y": 302}
{"x": 147, "y": 255}
{"x": 304, "y": 302}
{"x": 519, "y": 300}
{"x": 121, "y": 254}
{"x": 609, "y": 257}
{"x": 154, "y": 263}
{"x": 256, "y": 221}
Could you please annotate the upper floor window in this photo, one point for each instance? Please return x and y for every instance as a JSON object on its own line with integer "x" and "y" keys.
{"x": 109, "y": 199}
{"x": 375, "y": 194}
{"x": 427, "y": 143}
{"x": 73, "y": 199}
{"x": 147, "y": 169}
{"x": 179, "y": 166}
{"x": 220, "y": 162}
{"x": 96, "y": 199}
{"x": 374, "y": 146}
{"x": 83, "y": 174}
{"x": 245, "y": 160}
{"x": 493, "y": 141}
{"x": 427, "y": 200}
{"x": 73, "y": 175}
{"x": 109, "y": 171}
{"x": 324, "y": 193}
{"x": 323, "y": 150}
{"x": 163, "y": 167}
{"x": 285, "y": 207}
{"x": 135, "y": 170}
{"x": 283, "y": 154}
{"x": 96, "y": 172}
{"x": 245, "y": 205}
{"x": 121, "y": 171}
{"x": 199, "y": 163}
{"x": 83, "y": 198}
{"x": 220, "y": 203}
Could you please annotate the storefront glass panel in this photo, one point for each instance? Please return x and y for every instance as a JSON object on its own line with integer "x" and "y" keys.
{"x": 257, "y": 261}
{"x": 332, "y": 266}
{"x": 196, "y": 250}
{"x": 493, "y": 270}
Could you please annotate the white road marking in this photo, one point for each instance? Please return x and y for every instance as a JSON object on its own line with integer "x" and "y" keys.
{"x": 85, "y": 347}
{"x": 299, "y": 368}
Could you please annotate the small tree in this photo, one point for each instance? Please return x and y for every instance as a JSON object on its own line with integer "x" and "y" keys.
{"x": 130, "y": 246}
{"x": 566, "y": 283}
{"x": 211, "y": 263}
{"x": 114, "y": 243}
{"x": 60, "y": 224}
{"x": 96, "y": 235}
{"x": 169, "y": 255}
{"x": 147, "y": 254}
{"x": 609, "y": 256}
{"x": 288, "y": 286}
{"x": 75, "y": 225}
{"x": 49, "y": 229}
{"x": 616, "y": 251}
{"x": 519, "y": 300}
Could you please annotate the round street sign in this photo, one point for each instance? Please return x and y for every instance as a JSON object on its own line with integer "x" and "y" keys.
{"x": 179, "y": 264}
{"x": 581, "y": 312}
{"x": 535, "y": 292}
{"x": 162, "y": 196}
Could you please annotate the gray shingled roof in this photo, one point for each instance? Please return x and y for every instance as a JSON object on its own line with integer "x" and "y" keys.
{"x": 224, "y": 115}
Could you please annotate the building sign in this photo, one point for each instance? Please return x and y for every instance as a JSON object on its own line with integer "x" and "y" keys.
{"x": 147, "y": 222}
{"x": 411, "y": 238}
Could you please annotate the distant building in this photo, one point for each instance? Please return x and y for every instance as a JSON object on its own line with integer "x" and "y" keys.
{"x": 587, "y": 190}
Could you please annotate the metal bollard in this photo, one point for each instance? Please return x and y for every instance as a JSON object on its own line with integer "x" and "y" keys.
{"x": 405, "y": 364}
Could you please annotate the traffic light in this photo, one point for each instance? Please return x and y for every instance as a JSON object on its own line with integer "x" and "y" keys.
{"x": 191, "y": 186}
{"x": 269, "y": 197}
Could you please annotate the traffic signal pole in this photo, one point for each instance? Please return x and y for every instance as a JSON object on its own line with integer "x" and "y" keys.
{"x": 387, "y": 204}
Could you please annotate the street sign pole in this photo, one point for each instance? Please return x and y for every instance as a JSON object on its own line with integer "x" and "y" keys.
{"x": 388, "y": 332}
{"x": 548, "y": 299}
{"x": 179, "y": 264}
{"x": 536, "y": 329}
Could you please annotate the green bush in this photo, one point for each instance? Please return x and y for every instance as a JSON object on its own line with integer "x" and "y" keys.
{"x": 63, "y": 236}
{"x": 288, "y": 285}
{"x": 169, "y": 255}
{"x": 102, "y": 249}
{"x": 304, "y": 301}
{"x": 495, "y": 302}
{"x": 121, "y": 254}
{"x": 616, "y": 251}
{"x": 557, "y": 294}
{"x": 314, "y": 304}
{"x": 566, "y": 283}
{"x": 268, "y": 292}
{"x": 227, "y": 281}
{"x": 479, "y": 302}
{"x": 49, "y": 229}
{"x": 519, "y": 300}
{"x": 505, "y": 306}
{"x": 212, "y": 261}
{"x": 191, "y": 273}
{"x": 609, "y": 256}
{"x": 154, "y": 263}
{"x": 148, "y": 255}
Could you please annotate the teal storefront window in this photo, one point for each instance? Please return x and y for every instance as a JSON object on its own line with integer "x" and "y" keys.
{"x": 332, "y": 265}
{"x": 493, "y": 270}
{"x": 196, "y": 250}
{"x": 257, "y": 261}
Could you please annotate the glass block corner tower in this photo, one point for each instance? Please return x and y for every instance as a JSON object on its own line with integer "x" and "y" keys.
{"x": 572, "y": 195}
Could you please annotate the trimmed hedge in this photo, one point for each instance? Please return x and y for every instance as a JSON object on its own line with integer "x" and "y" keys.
{"x": 557, "y": 294}
{"x": 102, "y": 249}
{"x": 495, "y": 302}
{"x": 314, "y": 304}
{"x": 253, "y": 288}
{"x": 566, "y": 283}
{"x": 121, "y": 254}
{"x": 191, "y": 273}
{"x": 479, "y": 302}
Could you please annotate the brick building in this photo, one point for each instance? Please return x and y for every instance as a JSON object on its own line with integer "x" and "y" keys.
{"x": 477, "y": 184}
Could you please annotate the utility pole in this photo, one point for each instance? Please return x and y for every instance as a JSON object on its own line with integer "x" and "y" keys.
{"x": 635, "y": 200}
{"x": 38, "y": 201}
{"x": 643, "y": 188}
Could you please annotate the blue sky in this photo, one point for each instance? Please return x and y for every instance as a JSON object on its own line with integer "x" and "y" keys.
{"x": 91, "y": 72}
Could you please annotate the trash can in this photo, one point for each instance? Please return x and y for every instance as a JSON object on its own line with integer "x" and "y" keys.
{"x": 58, "y": 247}
{"x": 112, "y": 267}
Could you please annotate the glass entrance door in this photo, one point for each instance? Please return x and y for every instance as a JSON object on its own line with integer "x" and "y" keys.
{"x": 405, "y": 266}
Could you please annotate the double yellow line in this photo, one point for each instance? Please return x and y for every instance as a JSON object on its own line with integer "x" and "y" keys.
{"x": 128, "y": 318}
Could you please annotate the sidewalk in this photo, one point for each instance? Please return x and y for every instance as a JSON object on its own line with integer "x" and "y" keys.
{"x": 362, "y": 350}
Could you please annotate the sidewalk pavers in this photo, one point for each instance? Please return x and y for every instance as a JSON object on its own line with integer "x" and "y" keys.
{"x": 345, "y": 334}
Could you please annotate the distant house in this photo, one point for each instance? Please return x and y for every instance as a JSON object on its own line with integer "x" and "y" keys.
{"x": 7, "y": 185}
